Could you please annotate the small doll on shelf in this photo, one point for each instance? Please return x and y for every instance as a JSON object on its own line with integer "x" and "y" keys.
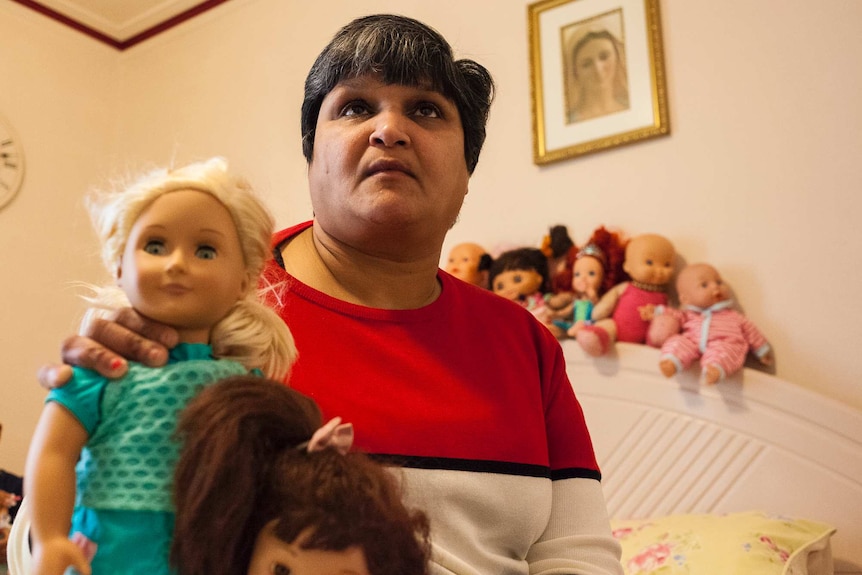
{"x": 625, "y": 311}
{"x": 597, "y": 267}
{"x": 469, "y": 262}
{"x": 560, "y": 250}
{"x": 521, "y": 275}
{"x": 259, "y": 491}
{"x": 185, "y": 247}
{"x": 710, "y": 329}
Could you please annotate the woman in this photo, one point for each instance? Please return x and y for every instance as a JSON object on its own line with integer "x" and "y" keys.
{"x": 462, "y": 387}
{"x": 600, "y": 86}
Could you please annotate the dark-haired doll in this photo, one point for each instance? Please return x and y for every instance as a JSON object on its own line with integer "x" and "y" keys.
{"x": 560, "y": 250}
{"x": 521, "y": 275}
{"x": 261, "y": 488}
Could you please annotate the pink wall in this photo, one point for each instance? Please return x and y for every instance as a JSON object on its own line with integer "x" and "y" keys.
{"x": 761, "y": 174}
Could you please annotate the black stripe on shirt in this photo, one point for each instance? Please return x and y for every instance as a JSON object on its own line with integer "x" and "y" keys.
{"x": 485, "y": 466}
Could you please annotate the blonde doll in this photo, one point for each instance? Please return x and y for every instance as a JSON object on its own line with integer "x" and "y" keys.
{"x": 186, "y": 247}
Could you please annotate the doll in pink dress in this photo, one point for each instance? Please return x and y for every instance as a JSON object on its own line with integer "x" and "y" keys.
{"x": 625, "y": 311}
{"x": 709, "y": 328}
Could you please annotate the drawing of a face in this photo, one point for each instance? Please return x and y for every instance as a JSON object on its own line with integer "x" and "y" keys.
{"x": 596, "y": 62}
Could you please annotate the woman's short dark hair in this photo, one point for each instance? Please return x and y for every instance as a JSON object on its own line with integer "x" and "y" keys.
{"x": 401, "y": 51}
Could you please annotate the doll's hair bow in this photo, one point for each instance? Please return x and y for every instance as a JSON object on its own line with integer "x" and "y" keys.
{"x": 334, "y": 434}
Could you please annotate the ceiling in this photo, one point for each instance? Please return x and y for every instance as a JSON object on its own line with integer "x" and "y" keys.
{"x": 120, "y": 23}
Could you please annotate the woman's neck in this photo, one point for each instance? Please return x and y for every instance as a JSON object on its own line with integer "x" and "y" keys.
{"x": 353, "y": 276}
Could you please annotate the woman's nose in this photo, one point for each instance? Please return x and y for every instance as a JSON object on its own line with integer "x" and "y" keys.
{"x": 390, "y": 129}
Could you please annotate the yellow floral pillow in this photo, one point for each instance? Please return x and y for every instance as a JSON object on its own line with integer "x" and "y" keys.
{"x": 751, "y": 542}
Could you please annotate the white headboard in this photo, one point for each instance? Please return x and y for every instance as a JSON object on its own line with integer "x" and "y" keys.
{"x": 753, "y": 442}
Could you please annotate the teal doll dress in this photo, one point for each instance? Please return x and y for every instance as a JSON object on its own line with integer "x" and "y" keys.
{"x": 123, "y": 501}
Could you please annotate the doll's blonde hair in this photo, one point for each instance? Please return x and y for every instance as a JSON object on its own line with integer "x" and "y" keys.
{"x": 251, "y": 333}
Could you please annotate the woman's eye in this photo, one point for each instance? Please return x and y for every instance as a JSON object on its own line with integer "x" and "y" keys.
{"x": 155, "y": 247}
{"x": 205, "y": 253}
{"x": 427, "y": 110}
{"x": 354, "y": 108}
{"x": 280, "y": 569}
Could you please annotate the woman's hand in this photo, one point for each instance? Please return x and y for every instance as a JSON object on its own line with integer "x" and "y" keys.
{"x": 107, "y": 345}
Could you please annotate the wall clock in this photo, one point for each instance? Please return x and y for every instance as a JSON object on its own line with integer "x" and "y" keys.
{"x": 11, "y": 163}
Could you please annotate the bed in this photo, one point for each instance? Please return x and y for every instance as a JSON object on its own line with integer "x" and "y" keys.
{"x": 755, "y": 474}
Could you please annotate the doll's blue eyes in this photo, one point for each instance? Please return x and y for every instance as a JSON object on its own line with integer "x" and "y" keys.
{"x": 155, "y": 248}
{"x": 158, "y": 248}
{"x": 206, "y": 253}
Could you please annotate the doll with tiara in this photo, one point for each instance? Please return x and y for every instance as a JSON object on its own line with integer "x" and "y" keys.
{"x": 185, "y": 247}
{"x": 261, "y": 488}
{"x": 596, "y": 267}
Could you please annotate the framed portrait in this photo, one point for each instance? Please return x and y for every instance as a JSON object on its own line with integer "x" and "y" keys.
{"x": 597, "y": 75}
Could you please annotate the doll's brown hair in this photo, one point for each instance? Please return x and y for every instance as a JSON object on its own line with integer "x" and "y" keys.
{"x": 558, "y": 244}
{"x": 240, "y": 470}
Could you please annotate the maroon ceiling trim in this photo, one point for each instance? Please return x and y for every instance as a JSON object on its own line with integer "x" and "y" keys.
{"x": 113, "y": 42}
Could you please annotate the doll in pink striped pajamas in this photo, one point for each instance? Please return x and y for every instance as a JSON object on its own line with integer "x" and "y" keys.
{"x": 709, "y": 328}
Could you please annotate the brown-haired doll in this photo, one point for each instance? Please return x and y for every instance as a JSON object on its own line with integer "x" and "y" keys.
{"x": 257, "y": 491}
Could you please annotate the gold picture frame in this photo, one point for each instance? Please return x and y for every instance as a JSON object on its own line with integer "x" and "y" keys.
{"x": 597, "y": 76}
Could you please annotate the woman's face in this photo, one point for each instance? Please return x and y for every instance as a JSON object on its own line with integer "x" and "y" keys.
{"x": 596, "y": 62}
{"x": 390, "y": 157}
